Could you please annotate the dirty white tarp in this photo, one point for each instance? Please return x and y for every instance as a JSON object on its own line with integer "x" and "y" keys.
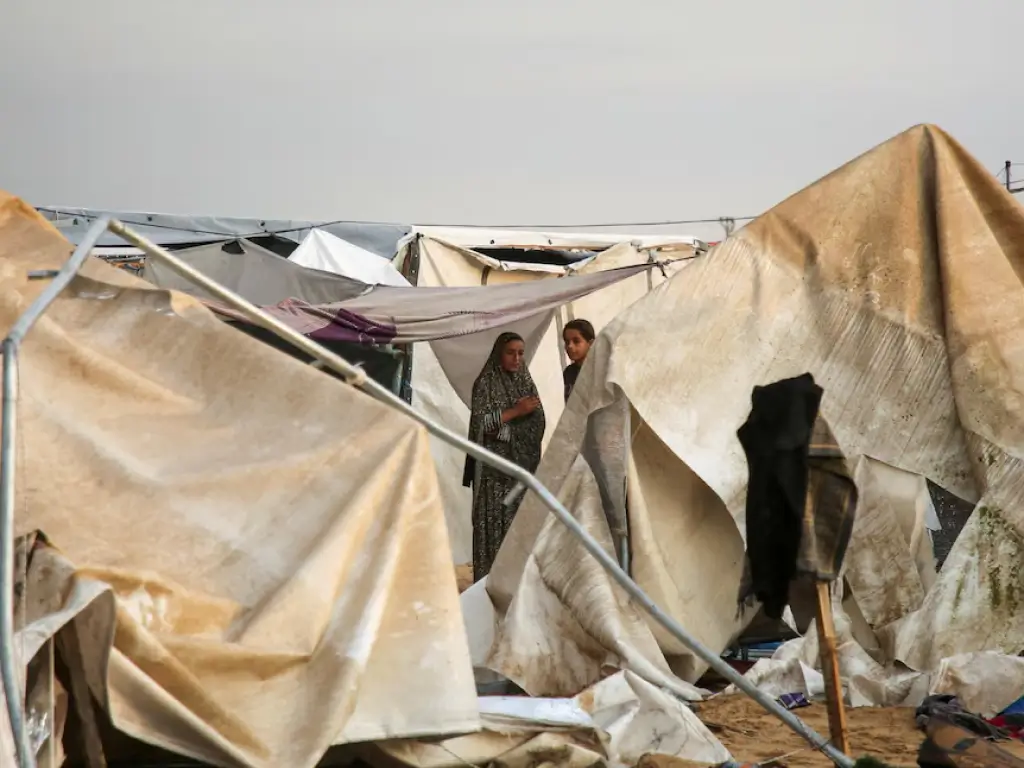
{"x": 617, "y": 722}
{"x": 895, "y": 282}
{"x": 277, "y": 589}
{"x": 322, "y": 250}
{"x": 442, "y": 263}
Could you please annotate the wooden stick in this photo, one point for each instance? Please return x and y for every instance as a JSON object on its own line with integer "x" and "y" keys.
{"x": 70, "y": 647}
{"x": 830, "y": 670}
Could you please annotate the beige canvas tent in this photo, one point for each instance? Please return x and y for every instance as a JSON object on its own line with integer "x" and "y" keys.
{"x": 451, "y": 257}
{"x": 240, "y": 575}
{"x": 896, "y": 281}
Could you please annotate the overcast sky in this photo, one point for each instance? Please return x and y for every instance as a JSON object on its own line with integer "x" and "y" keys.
{"x": 512, "y": 112}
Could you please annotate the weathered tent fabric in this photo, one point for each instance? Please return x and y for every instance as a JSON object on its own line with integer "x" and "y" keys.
{"x": 896, "y": 281}
{"x": 484, "y": 237}
{"x": 322, "y": 250}
{"x": 77, "y": 615}
{"x": 276, "y": 543}
{"x": 444, "y": 264}
{"x": 405, "y": 315}
{"x": 257, "y": 274}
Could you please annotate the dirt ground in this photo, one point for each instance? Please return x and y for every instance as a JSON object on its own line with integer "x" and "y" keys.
{"x": 464, "y": 576}
{"x": 753, "y": 735}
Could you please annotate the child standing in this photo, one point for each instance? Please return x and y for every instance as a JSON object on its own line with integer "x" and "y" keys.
{"x": 577, "y": 336}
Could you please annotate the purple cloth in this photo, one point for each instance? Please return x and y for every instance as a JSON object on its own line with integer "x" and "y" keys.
{"x": 404, "y": 315}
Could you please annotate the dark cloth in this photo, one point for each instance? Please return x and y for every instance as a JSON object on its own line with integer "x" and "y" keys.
{"x": 949, "y": 709}
{"x": 494, "y": 391}
{"x": 801, "y": 498}
{"x": 569, "y": 376}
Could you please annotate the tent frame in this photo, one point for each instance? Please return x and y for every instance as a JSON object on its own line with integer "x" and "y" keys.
{"x": 354, "y": 376}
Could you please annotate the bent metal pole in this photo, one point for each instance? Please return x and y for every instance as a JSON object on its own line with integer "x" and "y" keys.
{"x": 357, "y": 377}
{"x": 8, "y": 469}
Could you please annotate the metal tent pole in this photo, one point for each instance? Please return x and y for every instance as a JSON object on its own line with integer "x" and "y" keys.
{"x": 357, "y": 377}
{"x": 8, "y": 469}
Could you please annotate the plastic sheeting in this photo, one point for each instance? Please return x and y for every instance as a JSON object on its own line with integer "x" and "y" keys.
{"x": 169, "y": 229}
{"x": 443, "y": 264}
{"x": 254, "y": 273}
{"x": 895, "y": 282}
{"x": 277, "y": 591}
{"x": 322, "y": 250}
{"x": 615, "y": 722}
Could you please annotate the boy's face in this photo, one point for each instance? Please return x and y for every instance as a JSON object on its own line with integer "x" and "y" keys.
{"x": 576, "y": 347}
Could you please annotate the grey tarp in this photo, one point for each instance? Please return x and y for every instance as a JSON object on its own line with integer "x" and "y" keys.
{"x": 170, "y": 229}
{"x": 255, "y": 273}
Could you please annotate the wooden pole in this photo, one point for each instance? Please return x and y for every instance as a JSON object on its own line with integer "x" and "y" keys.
{"x": 830, "y": 669}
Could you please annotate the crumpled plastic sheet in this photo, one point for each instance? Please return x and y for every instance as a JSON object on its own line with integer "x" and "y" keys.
{"x": 615, "y": 722}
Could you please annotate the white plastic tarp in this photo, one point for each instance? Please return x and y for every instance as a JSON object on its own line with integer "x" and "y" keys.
{"x": 322, "y": 250}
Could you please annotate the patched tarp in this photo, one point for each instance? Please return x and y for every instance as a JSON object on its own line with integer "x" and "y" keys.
{"x": 276, "y": 544}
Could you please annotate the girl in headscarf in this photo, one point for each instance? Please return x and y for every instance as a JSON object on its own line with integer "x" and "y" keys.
{"x": 506, "y": 417}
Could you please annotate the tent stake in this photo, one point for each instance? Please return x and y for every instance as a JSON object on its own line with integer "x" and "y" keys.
{"x": 356, "y": 377}
{"x": 830, "y": 668}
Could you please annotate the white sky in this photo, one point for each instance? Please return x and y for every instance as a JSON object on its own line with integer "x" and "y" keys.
{"x": 514, "y": 112}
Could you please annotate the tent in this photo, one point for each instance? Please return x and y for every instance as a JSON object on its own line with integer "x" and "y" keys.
{"x": 172, "y": 230}
{"x": 896, "y": 282}
{"x": 234, "y": 573}
{"x": 468, "y": 258}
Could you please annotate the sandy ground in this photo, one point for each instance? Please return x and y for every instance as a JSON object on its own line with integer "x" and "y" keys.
{"x": 753, "y": 735}
{"x": 464, "y": 576}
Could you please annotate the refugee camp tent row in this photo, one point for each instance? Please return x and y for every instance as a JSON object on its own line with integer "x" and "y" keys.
{"x": 214, "y": 562}
{"x": 437, "y": 378}
{"x": 894, "y": 281}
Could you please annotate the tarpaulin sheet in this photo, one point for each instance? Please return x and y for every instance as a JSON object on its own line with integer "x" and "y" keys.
{"x": 322, "y": 250}
{"x": 276, "y": 543}
{"x": 253, "y": 272}
{"x": 169, "y": 230}
{"x": 388, "y": 314}
{"x": 618, "y": 721}
{"x": 895, "y": 281}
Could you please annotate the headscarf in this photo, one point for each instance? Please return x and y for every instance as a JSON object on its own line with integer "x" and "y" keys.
{"x": 496, "y": 389}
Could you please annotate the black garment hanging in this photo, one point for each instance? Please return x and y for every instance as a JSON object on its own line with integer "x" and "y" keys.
{"x": 776, "y": 439}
